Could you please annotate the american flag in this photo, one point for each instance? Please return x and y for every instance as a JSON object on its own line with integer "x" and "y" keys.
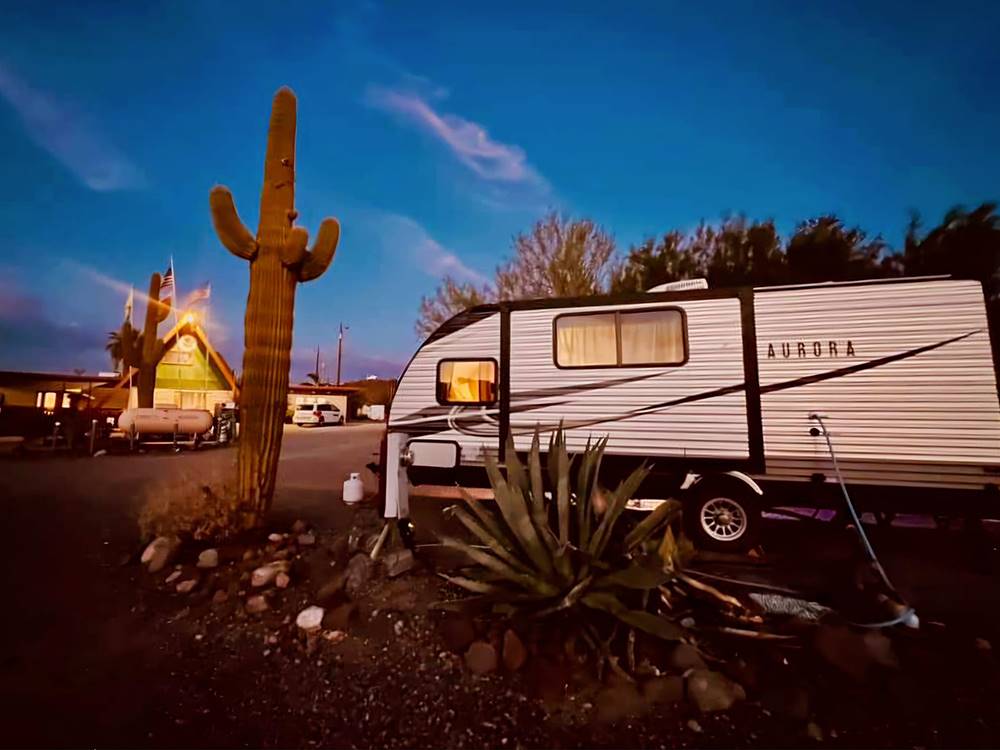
{"x": 199, "y": 295}
{"x": 167, "y": 286}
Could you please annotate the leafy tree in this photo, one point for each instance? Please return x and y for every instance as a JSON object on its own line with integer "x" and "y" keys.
{"x": 965, "y": 244}
{"x": 313, "y": 378}
{"x": 655, "y": 262}
{"x": 559, "y": 257}
{"x": 823, "y": 249}
{"x": 450, "y": 299}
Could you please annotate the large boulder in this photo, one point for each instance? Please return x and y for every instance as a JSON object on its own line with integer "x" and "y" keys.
{"x": 712, "y": 691}
{"x": 160, "y": 553}
{"x": 684, "y": 657}
{"x": 399, "y": 562}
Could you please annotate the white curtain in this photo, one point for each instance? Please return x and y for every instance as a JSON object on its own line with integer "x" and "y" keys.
{"x": 586, "y": 340}
{"x": 655, "y": 337}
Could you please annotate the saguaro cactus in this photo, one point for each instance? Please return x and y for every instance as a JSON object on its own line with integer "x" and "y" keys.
{"x": 278, "y": 262}
{"x": 143, "y": 351}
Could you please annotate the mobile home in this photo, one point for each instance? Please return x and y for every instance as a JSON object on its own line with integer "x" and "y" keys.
{"x": 720, "y": 390}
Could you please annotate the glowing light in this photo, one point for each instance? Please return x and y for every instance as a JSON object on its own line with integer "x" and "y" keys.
{"x": 189, "y": 318}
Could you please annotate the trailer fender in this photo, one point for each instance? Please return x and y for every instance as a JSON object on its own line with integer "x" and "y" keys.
{"x": 692, "y": 479}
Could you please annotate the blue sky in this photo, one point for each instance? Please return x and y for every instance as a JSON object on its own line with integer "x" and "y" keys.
{"x": 435, "y": 133}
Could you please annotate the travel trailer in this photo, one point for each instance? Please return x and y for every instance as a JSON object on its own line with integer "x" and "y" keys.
{"x": 725, "y": 392}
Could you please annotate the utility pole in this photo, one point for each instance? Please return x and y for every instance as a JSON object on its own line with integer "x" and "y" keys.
{"x": 317, "y": 366}
{"x": 340, "y": 348}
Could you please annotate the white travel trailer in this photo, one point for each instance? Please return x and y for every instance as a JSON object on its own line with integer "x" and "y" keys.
{"x": 718, "y": 390}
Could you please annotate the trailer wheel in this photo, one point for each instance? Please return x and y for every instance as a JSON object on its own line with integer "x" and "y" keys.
{"x": 722, "y": 515}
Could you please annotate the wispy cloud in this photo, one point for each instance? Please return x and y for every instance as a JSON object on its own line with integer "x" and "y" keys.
{"x": 469, "y": 141}
{"x": 434, "y": 259}
{"x": 69, "y": 136}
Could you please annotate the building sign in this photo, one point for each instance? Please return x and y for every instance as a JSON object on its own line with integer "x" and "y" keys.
{"x": 183, "y": 353}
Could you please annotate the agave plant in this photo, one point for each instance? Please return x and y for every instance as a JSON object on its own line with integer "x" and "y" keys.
{"x": 556, "y": 546}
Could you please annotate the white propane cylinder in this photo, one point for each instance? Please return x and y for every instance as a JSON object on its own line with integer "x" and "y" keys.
{"x": 165, "y": 420}
{"x": 353, "y": 489}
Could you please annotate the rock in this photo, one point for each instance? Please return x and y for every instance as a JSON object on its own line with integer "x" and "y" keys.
{"x": 457, "y": 631}
{"x": 334, "y": 636}
{"x": 983, "y": 645}
{"x": 854, "y": 653}
{"x": 282, "y": 580}
{"x": 514, "y": 652}
{"x": 481, "y": 658}
{"x": 711, "y": 691}
{"x": 208, "y": 558}
{"x": 684, "y": 657}
{"x": 791, "y": 702}
{"x": 174, "y": 576}
{"x": 250, "y": 554}
{"x": 220, "y": 596}
{"x": 160, "y": 553}
{"x": 669, "y": 689}
{"x": 329, "y": 590}
{"x": 694, "y": 726}
{"x": 340, "y": 618}
{"x": 340, "y": 550}
{"x": 266, "y": 574}
{"x": 359, "y": 573}
{"x": 256, "y": 604}
{"x": 397, "y": 627}
{"x": 299, "y": 527}
{"x": 306, "y": 540}
{"x": 618, "y": 702}
{"x": 814, "y": 731}
{"x": 310, "y": 619}
{"x": 276, "y": 538}
{"x": 687, "y": 622}
{"x": 399, "y": 562}
{"x": 186, "y": 587}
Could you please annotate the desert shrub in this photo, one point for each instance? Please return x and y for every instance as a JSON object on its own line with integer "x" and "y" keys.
{"x": 191, "y": 505}
{"x": 556, "y": 547}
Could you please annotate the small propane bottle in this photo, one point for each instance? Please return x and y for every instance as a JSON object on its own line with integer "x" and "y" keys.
{"x": 353, "y": 489}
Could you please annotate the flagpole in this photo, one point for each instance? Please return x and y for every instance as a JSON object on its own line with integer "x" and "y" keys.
{"x": 177, "y": 297}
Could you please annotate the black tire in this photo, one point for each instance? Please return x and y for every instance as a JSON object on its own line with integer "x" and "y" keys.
{"x": 722, "y": 514}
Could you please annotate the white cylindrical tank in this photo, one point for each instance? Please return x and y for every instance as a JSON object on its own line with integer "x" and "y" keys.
{"x": 354, "y": 490}
{"x": 165, "y": 420}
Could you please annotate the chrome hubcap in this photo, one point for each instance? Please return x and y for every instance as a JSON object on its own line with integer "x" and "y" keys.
{"x": 723, "y": 519}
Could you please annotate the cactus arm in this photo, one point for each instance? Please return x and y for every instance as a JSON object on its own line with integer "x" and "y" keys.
{"x": 321, "y": 255}
{"x": 294, "y": 250}
{"x": 233, "y": 234}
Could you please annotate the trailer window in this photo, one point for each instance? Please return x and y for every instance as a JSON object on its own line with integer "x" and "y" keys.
{"x": 468, "y": 382}
{"x": 641, "y": 338}
{"x": 653, "y": 337}
{"x": 586, "y": 340}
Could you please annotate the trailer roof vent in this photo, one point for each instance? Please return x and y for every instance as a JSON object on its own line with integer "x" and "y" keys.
{"x": 685, "y": 285}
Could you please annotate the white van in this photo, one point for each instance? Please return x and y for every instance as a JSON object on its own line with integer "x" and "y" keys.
{"x": 317, "y": 415}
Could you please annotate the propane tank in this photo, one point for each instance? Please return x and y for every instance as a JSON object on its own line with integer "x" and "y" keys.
{"x": 165, "y": 420}
{"x": 353, "y": 489}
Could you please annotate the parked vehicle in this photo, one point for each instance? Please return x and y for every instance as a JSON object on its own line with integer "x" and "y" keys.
{"x": 317, "y": 415}
{"x": 720, "y": 390}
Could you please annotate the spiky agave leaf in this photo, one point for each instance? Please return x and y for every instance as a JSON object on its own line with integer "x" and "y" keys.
{"x": 636, "y": 618}
{"x": 484, "y": 535}
{"x": 616, "y": 504}
{"x": 488, "y": 520}
{"x": 527, "y": 581}
{"x": 665, "y": 512}
{"x": 535, "y": 470}
{"x": 516, "y": 474}
{"x": 641, "y": 577}
{"x": 512, "y": 506}
{"x": 561, "y": 469}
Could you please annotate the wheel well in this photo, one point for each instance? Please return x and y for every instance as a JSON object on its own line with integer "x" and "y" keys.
{"x": 735, "y": 481}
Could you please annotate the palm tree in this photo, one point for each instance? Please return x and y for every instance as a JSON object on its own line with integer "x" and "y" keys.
{"x": 115, "y": 349}
{"x": 314, "y": 377}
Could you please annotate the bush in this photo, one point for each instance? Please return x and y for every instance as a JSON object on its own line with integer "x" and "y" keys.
{"x": 191, "y": 506}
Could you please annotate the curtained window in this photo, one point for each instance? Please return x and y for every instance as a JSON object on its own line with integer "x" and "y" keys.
{"x": 620, "y": 339}
{"x": 586, "y": 341}
{"x": 467, "y": 381}
{"x": 652, "y": 338}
